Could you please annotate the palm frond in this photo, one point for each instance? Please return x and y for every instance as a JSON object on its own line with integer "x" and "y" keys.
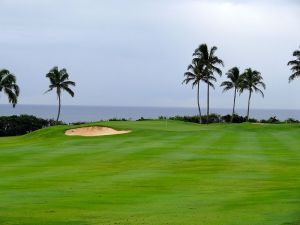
{"x": 211, "y": 84}
{"x": 8, "y": 84}
{"x": 71, "y": 83}
{"x": 294, "y": 76}
{"x": 257, "y": 90}
{"x": 67, "y": 89}
{"x": 217, "y": 70}
{"x": 295, "y": 66}
{"x": 260, "y": 83}
{"x": 50, "y": 89}
{"x": 293, "y": 62}
{"x": 226, "y": 89}
{"x": 12, "y": 97}
{"x": 227, "y": 85}
{"x": 212, "y": 51}
{"x": 3, "y": 73}
{"x": 191, "y": 67}
{"x": 16, "y": 89}
{"x": 296, "y": 53}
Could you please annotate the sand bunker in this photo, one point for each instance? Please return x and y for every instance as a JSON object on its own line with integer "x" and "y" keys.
{"x": 94, "y": 131}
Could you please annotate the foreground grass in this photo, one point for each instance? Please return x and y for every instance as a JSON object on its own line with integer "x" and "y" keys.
{"x": 162, "y": 173}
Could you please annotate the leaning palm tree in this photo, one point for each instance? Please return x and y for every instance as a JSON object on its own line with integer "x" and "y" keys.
{"x": 195, "y": 74}
{"x": 8, "y": 85}
{"x": 295, "y": 64}
{"x": 251, "y": 80}
{"x": 210, "y": 61}
{"x": 233, "y": 82}
{"x": 59, "y": 80}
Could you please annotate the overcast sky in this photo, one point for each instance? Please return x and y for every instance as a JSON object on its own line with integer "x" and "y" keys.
{"x": 134, "y": 53}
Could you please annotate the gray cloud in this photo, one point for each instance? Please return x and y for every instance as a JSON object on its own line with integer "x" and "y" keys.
{"x": 135, "y": 52}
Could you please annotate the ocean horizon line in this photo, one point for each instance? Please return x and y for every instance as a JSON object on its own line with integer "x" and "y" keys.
{"x": 77, "y": 113}
{"x": 135, "y": 106}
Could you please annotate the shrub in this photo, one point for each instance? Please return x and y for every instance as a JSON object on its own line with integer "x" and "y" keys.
{"x": 226, "y": 118}
{"x": 162, "y": 118}
{"x": 270, "y": 120}
{"x": 213, "y": 118}
{"x": 273, "y": 120}
{"x": 236, "y": 119}
{"x": 118, "y": 119}
{"x": 23, "y": 124}
{"x": 252, "y": 120}
{"x": 239, "y": 119}
{"x": 291, "y": 120}
{"x": 192, "y": 119}
{"x": 78, "y": 123}
{"x": 143, "y": 119}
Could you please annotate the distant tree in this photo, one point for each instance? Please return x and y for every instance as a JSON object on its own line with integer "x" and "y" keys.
{"x": 210, "y": 62}
{"x": 59, "y": 80}
{"x": 8, "y": 85}
{"x": 195, "y": 74}
{"x": 251, "y": 80}
{"x": 233, "y": 82}
{"x": 295, "y": 65}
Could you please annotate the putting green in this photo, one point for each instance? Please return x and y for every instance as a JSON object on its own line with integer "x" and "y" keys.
{"x": 162, "y": 173}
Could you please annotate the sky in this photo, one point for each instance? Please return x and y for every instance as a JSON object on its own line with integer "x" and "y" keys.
{"x": 134, "y": 53}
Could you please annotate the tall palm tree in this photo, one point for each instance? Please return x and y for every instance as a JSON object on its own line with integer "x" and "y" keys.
{"x": 210, "y": 61}
{"x": 251, "y": 80}
{"x": 59, "y": 80}
{"x": 195, "y": 74}
{"x": 295, "y": 64}
{"x": 233, "y": 82}
{"x": 8, "y": 84}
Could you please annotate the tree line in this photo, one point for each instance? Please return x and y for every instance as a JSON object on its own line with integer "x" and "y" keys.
{"x": 59, "y": 81}
{"x": 206, "y": 65}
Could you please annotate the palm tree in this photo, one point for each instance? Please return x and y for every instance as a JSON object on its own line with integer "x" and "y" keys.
{"x": 59, "y": 80}
{"x": 207, "y": 58}
{"x": 196, "y": 74}
{"x": 251, "y": 80}
{"x": 234, "y": 79}
{"x": 8, "y": 84}
{"x": 295, "y": 66}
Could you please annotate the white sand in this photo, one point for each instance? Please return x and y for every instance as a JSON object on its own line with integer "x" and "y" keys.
{"x": 94, "y": 131}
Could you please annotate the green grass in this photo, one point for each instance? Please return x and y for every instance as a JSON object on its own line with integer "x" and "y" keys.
{"x": 162, "y": 173}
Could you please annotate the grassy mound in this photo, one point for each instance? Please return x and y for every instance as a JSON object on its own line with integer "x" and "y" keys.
{"x": 161, "y": 173}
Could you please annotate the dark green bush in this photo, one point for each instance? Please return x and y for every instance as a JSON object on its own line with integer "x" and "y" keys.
{"x": 291, "y": 120}
{"x": 19, "y": 125}
{"x": 144, "y": 119}
{"x": 270, "y": 120}
{"x": 118, "y": 119}
{"x": 162, "y": 118}
{"x": 236, "y": 119}
{"x": 192, "y": 119}
{"x": 213, "y": 118}
{"x": 226, "y": 118}
{"x": 252, "y": 120}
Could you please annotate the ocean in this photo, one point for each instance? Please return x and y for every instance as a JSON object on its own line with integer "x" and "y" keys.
{"x": 71, "y": 114}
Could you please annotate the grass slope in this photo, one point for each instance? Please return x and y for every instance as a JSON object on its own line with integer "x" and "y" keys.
{"x": 162, "y": 173}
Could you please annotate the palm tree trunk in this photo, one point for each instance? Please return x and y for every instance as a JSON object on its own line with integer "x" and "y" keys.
{"x": 250, "y": 93}
{"x": 233, "y": 109}
{"x": 207, "y": 102}
{"x": 59, "y": 104}
{"x": 198, "y": 101}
